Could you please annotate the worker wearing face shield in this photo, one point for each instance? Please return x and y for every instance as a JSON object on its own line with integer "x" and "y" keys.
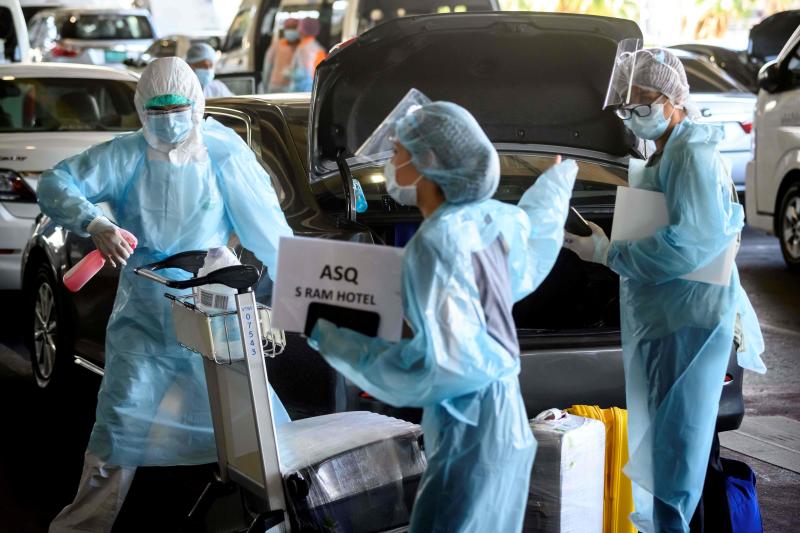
{"x": 181, "y": 183}
{"x": 677, "y": 334}
{"x": 470, "y": 260}
{"x": 202, "y": 57}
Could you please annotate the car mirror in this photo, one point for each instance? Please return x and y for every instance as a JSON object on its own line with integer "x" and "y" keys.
{"x": 769, "y": 77}
{"x": 129, "y": 62}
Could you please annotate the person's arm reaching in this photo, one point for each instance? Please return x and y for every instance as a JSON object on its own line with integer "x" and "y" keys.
{"x": 449, "y": 355}
{"x": 546, "y": 203}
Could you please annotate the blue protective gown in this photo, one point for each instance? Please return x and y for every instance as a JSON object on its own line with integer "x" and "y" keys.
{"x": 462, "y": 271}
{"x": 153, "y": 404}
{"x": 676, "y": 334}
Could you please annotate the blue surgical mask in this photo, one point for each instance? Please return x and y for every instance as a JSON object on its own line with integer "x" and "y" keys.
{"x": 291, "y": 35}
{"x": 402, "y": 194}
{"x": 171, "y": 128}
{"x": 205, "y": 75}
{"x": 652, "y": 126}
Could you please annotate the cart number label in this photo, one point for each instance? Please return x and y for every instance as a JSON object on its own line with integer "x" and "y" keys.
{"x": 251, "y": 330}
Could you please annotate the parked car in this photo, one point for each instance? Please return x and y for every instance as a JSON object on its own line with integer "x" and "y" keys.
{"x": 90, "y": 36}
{"x": 721, "y": 99}
{"x": 736, "y": 63}
{"x": 171, "y": 46}
{"x": 32, "y": 7}
{"x": 47, "y": 113}
{"x": 258, "y": 22}
{"x": 569, "y": 328}
{"x": 773, "y": 176}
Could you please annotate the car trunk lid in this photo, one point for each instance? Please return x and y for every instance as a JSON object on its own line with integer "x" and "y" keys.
{"x": 527, "y": 78}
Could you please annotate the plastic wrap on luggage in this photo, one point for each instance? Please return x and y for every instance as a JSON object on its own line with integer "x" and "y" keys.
{"x": 618, "y": 496}
{"x": 330, "y": 489}
{"x": 566, "y": 491}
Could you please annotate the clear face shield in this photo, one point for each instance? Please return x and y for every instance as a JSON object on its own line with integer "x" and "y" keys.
{"x": 626, "y": 73}
{"x": 379, "y": 146}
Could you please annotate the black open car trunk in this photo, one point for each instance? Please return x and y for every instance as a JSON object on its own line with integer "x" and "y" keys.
{"x": 528, "y": 78}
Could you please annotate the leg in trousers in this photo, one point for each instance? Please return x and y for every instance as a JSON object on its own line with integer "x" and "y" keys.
{"x": 101, "y": 492}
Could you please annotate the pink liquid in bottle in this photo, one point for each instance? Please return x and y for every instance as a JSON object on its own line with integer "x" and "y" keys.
{"x": 77, "y": 276}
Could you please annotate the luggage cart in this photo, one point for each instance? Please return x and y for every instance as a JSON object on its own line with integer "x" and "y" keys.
{"x": 343, "y": 472}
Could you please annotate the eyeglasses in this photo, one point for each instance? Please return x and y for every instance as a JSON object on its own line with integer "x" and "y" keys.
{"x": 640, "y": 110}
{"x": 166, "y": 110}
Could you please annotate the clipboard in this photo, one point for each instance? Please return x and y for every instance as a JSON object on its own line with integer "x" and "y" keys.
{"x": 639, "y": 213}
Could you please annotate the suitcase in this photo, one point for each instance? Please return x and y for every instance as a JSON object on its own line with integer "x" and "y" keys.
{"x": 328, "y": 487}
{"x": 618, "y": 492}
{"x": 566, "y": 490}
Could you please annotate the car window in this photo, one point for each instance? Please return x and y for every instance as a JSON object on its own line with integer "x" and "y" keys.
{"x": 373, "y": 12}
{"x": 324, "y": 10}
{"x": 596, "y": 184}
{"x": 106, "y": 26}
{"x": 703, "y": 77}
{"x": 66, "y": 104}
{"x": 8, "y": 35}
{"x": 794, "y": 65}
{"x": 238, "y": 29}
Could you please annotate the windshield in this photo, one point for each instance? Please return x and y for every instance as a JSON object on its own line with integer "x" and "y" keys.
{"x": 704, "y": 77}
{"x": 107, "y": 26}
{"x": 66, "y": 104}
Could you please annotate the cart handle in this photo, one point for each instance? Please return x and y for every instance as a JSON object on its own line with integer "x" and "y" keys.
{"x": 239, "y": 277}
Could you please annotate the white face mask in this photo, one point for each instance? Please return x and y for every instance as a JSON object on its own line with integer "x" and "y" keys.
{"x": 402, "y": 194}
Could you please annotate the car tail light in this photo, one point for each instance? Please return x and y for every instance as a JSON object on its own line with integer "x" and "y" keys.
{"x": 747, "y": 126}
{"x": 366, "y": 395}
{"x": 62, "y": 51}
{"x": 14, "y": 189}
{"x": 728, "y": 379}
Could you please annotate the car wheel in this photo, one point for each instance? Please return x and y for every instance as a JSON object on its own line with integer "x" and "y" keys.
{"x": 789, "y": 227}
{"x": 49, "y": 348}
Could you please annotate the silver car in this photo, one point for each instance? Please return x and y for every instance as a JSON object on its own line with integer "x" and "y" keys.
{"x": 90, "y": 36}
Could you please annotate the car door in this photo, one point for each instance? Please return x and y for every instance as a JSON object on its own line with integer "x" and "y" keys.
{"x": 235, "y": 67}
{"x": 94, "y": 302}
{"x": 776, "y": 132}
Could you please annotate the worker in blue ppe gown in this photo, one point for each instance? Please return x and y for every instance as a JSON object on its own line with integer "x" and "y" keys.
{"x": 181, "y": 183}
{"x": 202, "y": 57}
{"x": 677, "y": 334}
{"x": 471, "y": 259}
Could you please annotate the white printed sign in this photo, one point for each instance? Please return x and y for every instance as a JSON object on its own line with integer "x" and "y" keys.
{"x": 356, "y": 276}
{"x": 639, "y": 213}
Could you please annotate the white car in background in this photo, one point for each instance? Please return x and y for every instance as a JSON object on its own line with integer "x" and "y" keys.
{"x": 773, "y": 176}
{"x": 49, "y": 112}
{"x": 90, "y": 36}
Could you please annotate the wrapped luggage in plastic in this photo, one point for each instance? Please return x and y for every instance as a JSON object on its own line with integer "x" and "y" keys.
{"x": 566, "y": 491}
{"x": 618, "y": 494}
{"x": 354, "y": 471}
